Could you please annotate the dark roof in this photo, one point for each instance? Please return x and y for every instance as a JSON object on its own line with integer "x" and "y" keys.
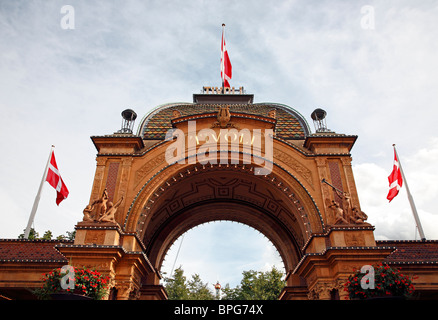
{"x": 411, "y": 251}
{"x": 22, "y": 250}
{"x": 290, "y": 123}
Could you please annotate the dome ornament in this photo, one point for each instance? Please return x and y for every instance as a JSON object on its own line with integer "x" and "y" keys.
{"x": 318, "y": 117}
{"x": 129, "y": 117}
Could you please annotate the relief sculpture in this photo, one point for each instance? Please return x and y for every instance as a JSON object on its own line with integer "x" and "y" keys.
{"x": 101, "y": 210}
{"x": 347, "y": 214}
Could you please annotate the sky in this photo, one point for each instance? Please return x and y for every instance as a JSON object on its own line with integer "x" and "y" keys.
{"x": 66, "y": 75}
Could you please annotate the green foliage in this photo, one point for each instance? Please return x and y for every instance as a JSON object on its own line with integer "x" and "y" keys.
{"x": 255, "y": 285}
{"x": 387, "y": 282}
{"x": 48, "y": 235}
{"x": 199, "y": 290}
{"x": 230, "y": 293}
{"x": 178, "y": 288}
{"x": 87, "y": 282}
{"x": 32, "y": 234}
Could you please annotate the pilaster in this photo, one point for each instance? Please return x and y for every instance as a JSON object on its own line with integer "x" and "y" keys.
{"x": 332, "y": 257}
{"x": 107, "y": 249}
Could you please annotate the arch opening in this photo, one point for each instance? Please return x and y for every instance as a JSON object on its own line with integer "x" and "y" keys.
{"x": 197, "y": 194}
{"x": 170, "y": 230}
{"x": 221, "y": 251}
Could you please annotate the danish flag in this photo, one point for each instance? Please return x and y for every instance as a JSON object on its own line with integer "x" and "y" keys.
{"x": 54, "y": 179}
{"x": 225, "y": 62}
{"x": 395, "y": 179}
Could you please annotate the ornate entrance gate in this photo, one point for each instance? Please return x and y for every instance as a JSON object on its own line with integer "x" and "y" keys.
{"x": 295, "y": 187}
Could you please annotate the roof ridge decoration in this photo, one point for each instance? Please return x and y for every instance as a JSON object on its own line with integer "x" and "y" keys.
{"x": 158, "y": 108}
{"x": 290, "y": 109}
{"x": 291, "y": 125}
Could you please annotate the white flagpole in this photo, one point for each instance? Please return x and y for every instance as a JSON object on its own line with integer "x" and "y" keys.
{"x": 223, "y": 58}
{"x": 38, "y": 196}
{"x": 411, "y": 200}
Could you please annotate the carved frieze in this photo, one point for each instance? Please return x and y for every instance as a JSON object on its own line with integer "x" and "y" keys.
{"x": 148, "y": 167}
{"x": 295, "y": 165}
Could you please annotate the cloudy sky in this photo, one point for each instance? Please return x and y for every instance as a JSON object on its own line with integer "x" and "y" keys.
{"x": 372, "y": 65}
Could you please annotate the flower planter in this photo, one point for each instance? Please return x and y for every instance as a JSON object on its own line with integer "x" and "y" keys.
{"x": 88, "y": 284}
{"x": 388, "y": 284}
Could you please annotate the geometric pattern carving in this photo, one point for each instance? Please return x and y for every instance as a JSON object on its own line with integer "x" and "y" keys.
{"x": 295, "y": 165}
{"x": 225, "y": 188}
{"x": 113, "y": 171}
{"x": 148, "y": 167}
{"x": 217, "y": 187}
{"x": 228, "y": 184}
{"x": 335, "y": 175}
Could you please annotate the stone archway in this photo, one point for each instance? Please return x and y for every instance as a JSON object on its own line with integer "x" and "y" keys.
{"x": 196, "y": 194}
{"x": 274, "y": 231}
{"x": 162, "y": 199}
{"x": 221, "y": 211}
{"x": 165, "y": 200}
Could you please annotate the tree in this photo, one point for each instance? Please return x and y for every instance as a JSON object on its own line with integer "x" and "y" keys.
{"x": 32, "y": 234}
{"x": 178, "y": 288}
{"x": 256, "y": 285}
{"x": 48, "y": 235}
{"x": 230, "y": 293}
{"x": 70, "y": 236}
{"x": 199, "y": 290}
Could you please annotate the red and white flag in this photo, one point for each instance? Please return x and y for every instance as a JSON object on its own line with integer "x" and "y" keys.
{"x": 54, "y": 179}
{"x": 225, "y": 62}
{"x": 395, "y": 179}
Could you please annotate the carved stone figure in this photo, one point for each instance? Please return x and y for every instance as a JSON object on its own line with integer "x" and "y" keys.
{"x": 88, "y": 213}
{"x": 223, "y": 119}
{"x": 350, "y": 213}
{"x": 176, "y": 114}
{"x": 339, "y": 213}
{"x": 109, "y": 215}
{"x": 347, "y": 204}
{"x": 101, "y": 205}
{"x": 346, "y": 201}
{"x": 224, "y": 116}
{"x": 101, "y": 210}
{"x": 358, "y": 216}
{"x": 347, "y": 214}
{"x": 272, "y": 114}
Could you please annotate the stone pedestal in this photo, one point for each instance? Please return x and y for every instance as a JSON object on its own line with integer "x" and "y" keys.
{"x": 330, "y": 259}
{"x": 93, "y": 233}
{"x": 341, "y": 236}
{"x": 106, "y": 248}
{"x": 295, "y": 289}
{"x": 152, "y": 292}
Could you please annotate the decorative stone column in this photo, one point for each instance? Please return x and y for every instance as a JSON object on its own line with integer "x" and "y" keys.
{"x": 106, "y": 248}
{"x": 330, "y": 258}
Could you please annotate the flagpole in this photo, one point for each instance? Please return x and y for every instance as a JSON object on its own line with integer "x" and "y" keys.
{"x": 223, "y": 58}
{"x": 411, "y": 200}
{"x": 37, "y": 197}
